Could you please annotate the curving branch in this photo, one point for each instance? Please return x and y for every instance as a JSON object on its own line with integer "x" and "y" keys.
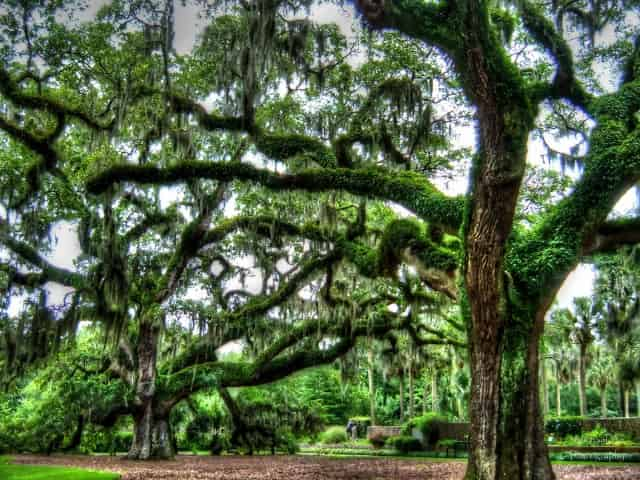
{"x": 565, "y": 84}
{"x": 412, "y": 191}
{"x": 49, "y": 272}
{"x": 11, "y": 89}
{"x": 612, "y": 235}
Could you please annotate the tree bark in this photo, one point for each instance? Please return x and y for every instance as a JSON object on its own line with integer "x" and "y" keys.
{"x": 435, "y": 400}
{"x": 401, "y": 381}
{"x": 558, "y": 391}
{"x": 425, "y": 396}
{"x": 638, "y": 398}
{"x": 152, "y": 437}
{"x": 511, "y": 382}
{"x": 411, "y": 393}
{"x": 582, "y": 380}
{"x": 545, "y": 387}
{"x": 603, "y": 402}
{"x": 372, "y": 387}
{"x": 626, "y": 403}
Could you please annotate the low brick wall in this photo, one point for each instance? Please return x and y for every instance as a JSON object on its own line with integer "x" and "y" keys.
{"x": 384, "y": 431}
{"x": 614, "y": 425}
{"x": 454, "y": 430}
{"x": 460, "y": 430}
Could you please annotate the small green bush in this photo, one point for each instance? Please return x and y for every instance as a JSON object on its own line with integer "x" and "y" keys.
{"x": 561, "y": 427}
{"x": 378, "y": 440}
{"x": 597, "y": 436}
{"x": 596, "y": 457}
{"x": 428, "y": 424}
{"x": 404, "y": 443}
{"x": 333, "y": 435}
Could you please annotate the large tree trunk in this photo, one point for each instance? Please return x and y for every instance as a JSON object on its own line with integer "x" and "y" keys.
{"x": 151, "y": 432}
{"x": 152, "y": 437}
{"x": 638, "y": 398}
{"x": 507, "y": 430}
{"x": 582, "y": 380}
{"x": 372, "y": 388}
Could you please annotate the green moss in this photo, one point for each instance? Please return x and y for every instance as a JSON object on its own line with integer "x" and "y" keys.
{"x": 282, "y": 147}
{"x": 409, "y": 189}
{"x": 398, "y": 236}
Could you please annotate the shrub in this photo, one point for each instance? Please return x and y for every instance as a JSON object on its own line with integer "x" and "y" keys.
{"x": 597, "y": 457}
{"x": 428, "y": 425}
{"x": 378, "y": 440}
{"x": 404, "y": 443}
{"x": 597, "y": 436}
{"x": 560, "y": 427}
{"x": 333, "y": 435}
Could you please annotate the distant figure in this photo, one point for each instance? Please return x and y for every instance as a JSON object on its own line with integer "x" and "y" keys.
{"x": 352, "y": 430}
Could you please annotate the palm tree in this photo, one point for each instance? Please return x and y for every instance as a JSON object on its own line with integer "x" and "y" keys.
{"x": 582, "y": 335}
{"x": 557, "y": 340}
{"x": 618, "y": 286}
{"x": 601, "y": 372}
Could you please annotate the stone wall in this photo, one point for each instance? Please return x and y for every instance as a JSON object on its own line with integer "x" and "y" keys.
{"x": 384, "y": 431}
{"x": 460, "y": 430}
{"x": 614, "y": 425}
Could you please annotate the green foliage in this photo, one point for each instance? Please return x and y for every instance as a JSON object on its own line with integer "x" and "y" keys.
{"x": 428, "y": 424}
{"x": 404, "y": 443}
{"x": 597, "y": 457}
{"x": 560, "y": 427}
{"x": 378, "y": 440}
{"x": 333, "y": 435}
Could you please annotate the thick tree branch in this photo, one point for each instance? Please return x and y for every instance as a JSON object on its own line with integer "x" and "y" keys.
{"x": 612, "y": 235}
{"x": 411, "y": 190}
{"x": 564, "y": 85}
{"x": 49, "y": 273}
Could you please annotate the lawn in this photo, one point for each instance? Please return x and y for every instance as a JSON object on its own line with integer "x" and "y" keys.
{"x": 28, "y": 472}
{"x": 306, "y": 467}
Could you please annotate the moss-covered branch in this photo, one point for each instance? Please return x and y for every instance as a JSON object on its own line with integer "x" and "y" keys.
{"x": 565, "y": 85}
{"x": 406, "y": 241}
{"x": 49, "y": 272}
{"x": 431, "y": 22}
{"x": 10, "y": 89}
{"x": 541, "y": 259}
{"x": 614, "y": 234}
{"x": 260, "y": 305}
{"x": 411, "y": 190}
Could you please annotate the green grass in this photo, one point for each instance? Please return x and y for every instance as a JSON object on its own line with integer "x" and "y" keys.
{"x": 29, "y": 472}
{"x": 426, "y": 457}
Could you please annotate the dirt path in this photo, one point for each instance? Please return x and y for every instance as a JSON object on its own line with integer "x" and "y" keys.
{"x": 300, "y": 467}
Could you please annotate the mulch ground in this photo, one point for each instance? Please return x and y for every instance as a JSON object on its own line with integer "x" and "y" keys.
{"x": 300, "y": 467}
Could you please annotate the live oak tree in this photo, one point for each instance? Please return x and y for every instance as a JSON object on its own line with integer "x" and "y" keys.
{"x": 512, "y": 272}
{"x": 79, "y": 100}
